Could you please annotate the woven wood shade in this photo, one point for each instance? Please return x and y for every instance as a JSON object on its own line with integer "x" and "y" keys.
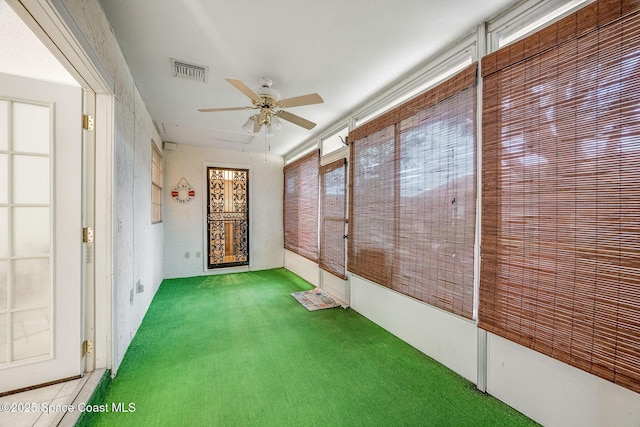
{"x": 560, "y": 248}
{"x": 412, "y": 187}
{"x": 301, "y": 206}
{"x": 333, "y": 210}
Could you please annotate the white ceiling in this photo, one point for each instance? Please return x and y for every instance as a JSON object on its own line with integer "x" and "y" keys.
{"x": 345, "y": 50}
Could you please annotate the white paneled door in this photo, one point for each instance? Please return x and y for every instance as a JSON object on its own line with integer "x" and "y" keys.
{"x": 40, "y": 232}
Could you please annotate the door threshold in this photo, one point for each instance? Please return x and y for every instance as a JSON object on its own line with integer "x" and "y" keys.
{"x": 34, "y": 387}
{"x": 83, "y": 394}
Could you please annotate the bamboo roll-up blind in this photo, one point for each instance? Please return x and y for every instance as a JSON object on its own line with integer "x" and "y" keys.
{"x": 412, "y": 188}
{"x": 301, "y": 195}
{"x": 333, "y": 210}
{"x": 372, "y": 214}
{"x": 437, "y": 204}
{"x": 560, "y": 248}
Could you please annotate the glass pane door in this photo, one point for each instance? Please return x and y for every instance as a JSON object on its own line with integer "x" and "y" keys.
{"x": 40, "y": 223}
{"x": 25, "y": 232}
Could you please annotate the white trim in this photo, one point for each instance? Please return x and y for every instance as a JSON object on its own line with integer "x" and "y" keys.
{"x": 525, "y": 18}
{"x": 104, "y": 251}
{"x": 341, "y": 153}
{"x": 481, "y": 380}
{"x": 333, "y": 130}
{"x": 302, "y": 151}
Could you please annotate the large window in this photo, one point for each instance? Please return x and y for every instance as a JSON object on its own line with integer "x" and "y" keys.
{"x": 156, "y": 184}
{"x": 560, "y": 266}
{"x": 301, "y": 206}
{"x": 412, "y": 213}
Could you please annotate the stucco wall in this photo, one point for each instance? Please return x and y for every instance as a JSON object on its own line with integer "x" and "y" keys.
{"x": 137, "y": 242}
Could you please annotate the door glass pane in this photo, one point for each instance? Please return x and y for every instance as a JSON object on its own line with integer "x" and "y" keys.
{"x": 3, "y": 285}
{"x": 31, "y": 283}
{"x": 31, "y": 231}
{"x": 31, "y": 128}
{"x": 30, "y": 179}
{"x": 3, "y": 338}
{"x": 4, "y": 128}
{"x": 4, "y": 184}
{"x": 4, "y": 233}
{"x": 31, "y": 333}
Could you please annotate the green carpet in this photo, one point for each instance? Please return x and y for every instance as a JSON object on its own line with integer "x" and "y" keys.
{"x": 238, "y": 350}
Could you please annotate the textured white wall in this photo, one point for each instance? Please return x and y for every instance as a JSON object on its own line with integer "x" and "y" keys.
{"x": 185, "y": 231}
{"x": 137, "y": 242}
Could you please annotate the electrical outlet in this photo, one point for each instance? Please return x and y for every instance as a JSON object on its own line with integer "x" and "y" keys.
{"x": 198, "y": 254}
{"x": 187, "y": 255}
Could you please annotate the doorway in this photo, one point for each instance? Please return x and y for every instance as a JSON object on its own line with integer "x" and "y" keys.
{"x": 40, "y": 213}
{"x": 74, "y": 175}
{"x": 228, "y": 217}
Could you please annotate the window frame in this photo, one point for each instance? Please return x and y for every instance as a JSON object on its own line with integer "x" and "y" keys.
{"x": 521, "y": 21}
{"x": 157, "y": 178}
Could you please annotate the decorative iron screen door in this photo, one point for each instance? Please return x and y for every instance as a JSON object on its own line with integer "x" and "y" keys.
{"x": 228, "y": 217}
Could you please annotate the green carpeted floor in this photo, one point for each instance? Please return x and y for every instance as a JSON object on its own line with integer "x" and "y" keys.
{"x": 238, "y": 350}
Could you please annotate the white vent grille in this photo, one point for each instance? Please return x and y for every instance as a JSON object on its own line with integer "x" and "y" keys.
{"x": 188, "y": 71}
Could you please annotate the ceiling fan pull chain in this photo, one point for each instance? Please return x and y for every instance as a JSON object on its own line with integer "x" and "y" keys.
{"x": 266, "y": 135}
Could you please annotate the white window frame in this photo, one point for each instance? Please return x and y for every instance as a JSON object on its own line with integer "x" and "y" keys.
{"x": 338, "y": 132}
{"x": 156, "y": 185}
{"x": 526, "y": 18}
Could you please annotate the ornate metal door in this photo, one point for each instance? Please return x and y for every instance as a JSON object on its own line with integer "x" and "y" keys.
{"x": 228, "y": 217}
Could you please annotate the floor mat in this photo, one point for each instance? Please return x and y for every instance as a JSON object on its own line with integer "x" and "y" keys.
{"x": 315, "y": 300}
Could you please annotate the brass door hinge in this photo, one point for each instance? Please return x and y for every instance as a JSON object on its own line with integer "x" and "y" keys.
{"x": 87, "y": 122}
{"x": 87, "y": 347}
{"x": 87, "y": 235}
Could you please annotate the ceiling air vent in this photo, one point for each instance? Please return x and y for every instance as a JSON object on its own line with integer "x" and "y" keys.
{"x": 188, "y": 71}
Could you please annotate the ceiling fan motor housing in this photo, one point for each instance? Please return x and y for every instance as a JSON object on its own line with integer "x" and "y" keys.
{"x": 269, "y": 96}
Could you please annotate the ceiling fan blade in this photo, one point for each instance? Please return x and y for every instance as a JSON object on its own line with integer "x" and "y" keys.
{"x": 296, "y": 101}
{"x": 239, "y": 84}
{"x": 296, "y": 120}
{"x": 209, "y": 110}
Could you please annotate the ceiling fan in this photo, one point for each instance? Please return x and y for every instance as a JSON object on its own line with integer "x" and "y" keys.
{"x": 267, "y": 101}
